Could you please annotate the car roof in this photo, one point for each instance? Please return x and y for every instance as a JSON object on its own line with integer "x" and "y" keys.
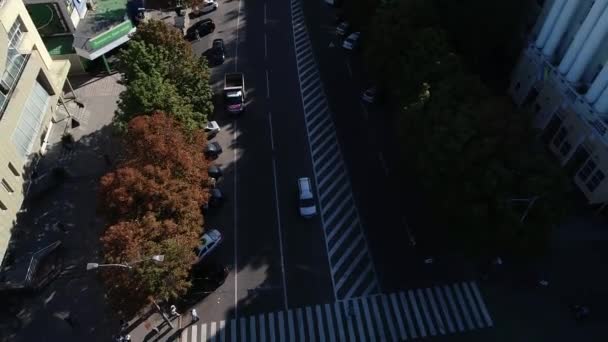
{"x": 218, "y": 40}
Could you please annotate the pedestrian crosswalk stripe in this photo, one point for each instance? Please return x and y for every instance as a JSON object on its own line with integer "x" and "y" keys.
{"x": 243, "y": 329}
{"x": 460, "y": 299}
{"x": 378, "y": 318}
{"x": 252, "y": 328}
{"x": 402, "y": 331}
{"x": 194, "y": 333}
{"x": 408, "y": 318}
{"x": 472, "y": 305}
{"x": 368, "y": 319}
{"x": 271, "y": 329}
{"x": 232, "y": 330}
{"x": 412, "y": 302}
{"x": 349, "y": 319}
{"x": 213, "y": 331}
{"x": 448, "y": 292}
{"x": 444, "y": 309}
{"x": 281, "y": 327}
{"x": 363, "y": 275}
{"x": 292, "y": 337}
{"x": 435, "y": 312}
{"x": 320, "y": 324}
{"x": 481, "y": 304}
{"x": 387, "y": 314}
{"x": 425, "y": 312}
{"x": 300, "y": 319}
{"x": 339, "y": 322}
{"x": 330, "y": 323}
{"x": 262, "y": 328}
{"x": 222, "y": 331}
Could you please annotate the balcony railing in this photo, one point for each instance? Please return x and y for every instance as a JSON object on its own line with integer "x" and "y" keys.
{"x": 7, "y": 93}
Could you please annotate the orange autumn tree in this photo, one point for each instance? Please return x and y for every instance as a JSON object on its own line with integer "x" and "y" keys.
{"x": 152, "y": 202}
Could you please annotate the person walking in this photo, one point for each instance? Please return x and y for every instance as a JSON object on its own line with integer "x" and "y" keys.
{"x": 173, "y": 311}
{"x": 194, "y": 315}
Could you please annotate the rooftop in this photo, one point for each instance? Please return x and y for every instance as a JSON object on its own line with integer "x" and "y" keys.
{"x": 107, "y": 14}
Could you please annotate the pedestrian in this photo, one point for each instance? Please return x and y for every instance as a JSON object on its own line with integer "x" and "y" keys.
{"x": 174, "y": 312}
{"x": 194, "y": 315}
{"x": 127, "y": 338}
{"x": 123, "y": 325}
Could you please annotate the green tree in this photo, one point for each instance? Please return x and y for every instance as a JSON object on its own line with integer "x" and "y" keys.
{"x": 159, "y": 66}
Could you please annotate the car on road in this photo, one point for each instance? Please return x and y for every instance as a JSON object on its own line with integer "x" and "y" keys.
{"x": 370, "y": 95}
{"x": 212, "y": 128}
{"x": 212, "y": 150}
{"x": 206, "y": 7}
{"x": 209, "y": 241}
{"x": 218, "y": 53}
{"x": 342, "y": 28}
{"x": 214, "y": 171}
{"x": 306, "y": 199}
{"x": 352, "y": 41}
{"x": 203, "y": 28}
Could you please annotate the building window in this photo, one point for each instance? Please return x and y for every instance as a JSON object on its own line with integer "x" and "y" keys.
{"x": 30, "y": 121}
{"x": 586, "y": 170}
{"x": 15, "y": 62}
{"x": 7, "y": 186}
{"x": 13, "y": 169}
{"x": 2, "y": 206}
{"x": 595, "y": 180}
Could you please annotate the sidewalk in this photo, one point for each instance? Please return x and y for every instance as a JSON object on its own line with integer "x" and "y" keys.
{"x": 68, "y": 213}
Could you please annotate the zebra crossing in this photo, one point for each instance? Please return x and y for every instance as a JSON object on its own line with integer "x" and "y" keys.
{"x": 350, "y": 261}
{"x": 407, "y": 315}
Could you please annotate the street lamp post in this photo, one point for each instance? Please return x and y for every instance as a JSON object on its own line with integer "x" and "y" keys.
{"x": 94, "y": 265}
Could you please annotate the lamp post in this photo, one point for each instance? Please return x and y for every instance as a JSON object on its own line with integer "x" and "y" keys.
{"x": 94, "y": 265}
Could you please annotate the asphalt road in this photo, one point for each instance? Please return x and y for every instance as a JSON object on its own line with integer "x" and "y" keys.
{"x": 393, "y": 209}
{"x": 265, "y": 242}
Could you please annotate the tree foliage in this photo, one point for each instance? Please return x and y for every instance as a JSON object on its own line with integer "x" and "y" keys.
{"x": 161, "y": 72}
{"x": 473, "y": 150}
{"x": 152, "y": 202}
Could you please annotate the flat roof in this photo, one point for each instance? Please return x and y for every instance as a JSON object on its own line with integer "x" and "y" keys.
{"x": 59, "y": 45}
{"x": 107, "y": 14}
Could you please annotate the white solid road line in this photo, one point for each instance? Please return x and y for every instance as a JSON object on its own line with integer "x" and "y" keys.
{"x": 265, "y": 46}
{"x": 265, "y": 21}
{"x": 236, "y": 265}
{"x": 236, "y": 48}
{"x": 267, "y": 86}
{"x": 271, "y": 134}
{"x": 276, "y": 197}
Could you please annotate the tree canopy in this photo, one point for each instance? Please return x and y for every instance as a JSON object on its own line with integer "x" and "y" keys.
{"x": 162, "y": 73}
{"x": 153, "y": 204}
{"x": 476, "y": 155}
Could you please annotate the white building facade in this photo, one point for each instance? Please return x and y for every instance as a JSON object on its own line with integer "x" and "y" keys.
{"x": 562, "y": 77}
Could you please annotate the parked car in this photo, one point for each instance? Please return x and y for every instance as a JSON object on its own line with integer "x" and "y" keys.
{"x": 214, "y": 171}
{"x": 212, "y": 150}
{"x": 218, "y": 53}
{"x": 307, "y": 205}
{"x": 215, "y": 201}
{"x": 209, "y": 241}
{"x": 206, "y": 7}
{"x": 351, "y": 42}
{"x": 342, "y": 28}
{"x": 212, "y": 128}
{"x": 203, "y": 28}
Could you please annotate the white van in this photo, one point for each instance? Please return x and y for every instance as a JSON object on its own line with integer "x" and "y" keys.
{"x": 306, "y": 198}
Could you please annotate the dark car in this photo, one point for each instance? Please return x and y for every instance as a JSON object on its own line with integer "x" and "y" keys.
{"x": 213, "y": 150}
{"x": 33, "y": 272}
{"x": 214, "y": 171}
{"x": 203, "y": 27}
{"x": 218, "y": 53}
{"x": 215, "y": 201}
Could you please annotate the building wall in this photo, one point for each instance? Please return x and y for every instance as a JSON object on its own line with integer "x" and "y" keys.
{"x": 575, "y": 130}
{"x": 39, "y": 67}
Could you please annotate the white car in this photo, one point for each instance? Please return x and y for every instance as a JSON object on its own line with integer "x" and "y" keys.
{"x": 308, "y": 208}
{"x": 350, "y": 43}
{"x": 209, "y": 6}
{"x": 212, "y": 128}
{"x": 209, "y": 241}
{"x": 369, "y": 95}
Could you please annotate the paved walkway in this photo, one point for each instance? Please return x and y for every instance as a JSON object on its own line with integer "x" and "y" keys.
{"x": 68, "y": 213}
